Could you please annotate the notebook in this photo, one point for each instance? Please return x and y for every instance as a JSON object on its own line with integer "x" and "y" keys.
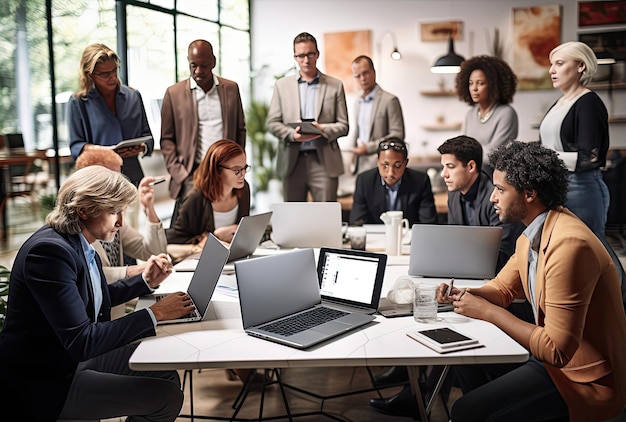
{"x": 464, "y": 252}
{"x": 245, "y": 241}
{"x": 277, "y": 288}
{"x": 351, "y": 279}
{"x": 306, "y": 224}
{"x": 203, "y": 282}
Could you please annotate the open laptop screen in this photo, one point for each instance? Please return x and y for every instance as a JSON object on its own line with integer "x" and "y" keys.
{"x": 351, "y": 277}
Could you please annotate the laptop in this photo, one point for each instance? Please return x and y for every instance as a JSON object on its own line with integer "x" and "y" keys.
{"x": 15, "y": 144}
{"x": 441, "y": 252}
{"x": 306, "y": 224}
{"x": 245, "y": 241}
{"x": 203, "y": 282}
{"x": 276, "y": 289}
{"x": 464, "y": 252}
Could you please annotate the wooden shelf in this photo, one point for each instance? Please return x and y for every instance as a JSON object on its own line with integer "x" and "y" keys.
{"x": 617, "y": 119}
{"x": 443, "y": 127}
{"x": 438, "y": 93}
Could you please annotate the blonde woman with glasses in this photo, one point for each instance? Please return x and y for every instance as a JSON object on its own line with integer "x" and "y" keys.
{"x": 105, "y": 112}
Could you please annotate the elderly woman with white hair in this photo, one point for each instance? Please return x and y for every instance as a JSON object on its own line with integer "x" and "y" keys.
{"x": 576, "y": 127}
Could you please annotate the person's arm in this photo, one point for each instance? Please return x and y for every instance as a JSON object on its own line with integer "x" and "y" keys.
{"x": 589, "y": 125}
{"x": 427, "y": 212}
{"x": 76, "y": 127}
{"x": 340, "y": 127}
{"x": 359, "y": 212}
{"x": 506, "y": 128}
{"x": 145, "y": 127}
{"x": 241, "y": 121}
{"x": 168, "y": 140}
{"x": 192, "y": 221}
{"x": 275, "y": 123}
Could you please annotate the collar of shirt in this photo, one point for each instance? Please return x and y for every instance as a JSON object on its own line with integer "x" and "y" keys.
{"x": 194, "y": 85}
{"x": 393, "y": 188}
{"x": 533, "y": 231}
{"x": 369, "y": 97}
{"x": 315, "y": 80}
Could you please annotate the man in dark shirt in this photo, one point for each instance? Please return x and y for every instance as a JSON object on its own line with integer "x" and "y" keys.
{"x": 393, "y": 187}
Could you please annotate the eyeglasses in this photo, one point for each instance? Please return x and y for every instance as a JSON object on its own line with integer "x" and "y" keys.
{"x": 396, "y": 146}
{"x": 310, "y": 56}
{"x": 238, "y": 171}
{"x": 106, "y": 75}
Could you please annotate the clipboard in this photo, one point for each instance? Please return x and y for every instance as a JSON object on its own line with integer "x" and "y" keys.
{"x": 307, "y": 127}
{"x": 130, "y": 143}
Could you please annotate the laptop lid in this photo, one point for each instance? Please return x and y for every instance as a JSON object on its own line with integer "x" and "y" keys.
{"x": 351, "y": 279}
{"x": 469, "y": 252}
{"x": 15, "y": 143}
{"x": 282, "y": 285}
{"x": 248, "y": 235}
{"x": 203, "y": 282}
{"x": 306, "y": 224}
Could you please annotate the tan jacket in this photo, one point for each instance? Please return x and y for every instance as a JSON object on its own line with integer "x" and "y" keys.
{"x": 179, "y": 127}
{"x": 332, "y": 112}
{"x": 581, "y": 333}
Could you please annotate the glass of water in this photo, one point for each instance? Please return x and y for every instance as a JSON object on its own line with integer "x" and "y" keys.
{"x": 424, "y": 302}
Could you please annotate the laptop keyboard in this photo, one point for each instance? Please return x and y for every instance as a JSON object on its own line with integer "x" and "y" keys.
{"x": 303, "y": 321}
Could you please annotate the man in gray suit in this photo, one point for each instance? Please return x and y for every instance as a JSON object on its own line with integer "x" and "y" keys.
{"x": 379, "y": 116}
{"x": 308, "y": 162}
{"x": 195, "y": 113}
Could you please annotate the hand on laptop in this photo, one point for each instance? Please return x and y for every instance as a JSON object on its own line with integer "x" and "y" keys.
{"x": 172, "y": 306}
{"x": 158, "y": 267}
{"x": 226, "y": 233}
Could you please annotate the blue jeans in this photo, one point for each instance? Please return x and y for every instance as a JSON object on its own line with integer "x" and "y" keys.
{"x": 588, "y": 198}
{"x": 508, "y": 393}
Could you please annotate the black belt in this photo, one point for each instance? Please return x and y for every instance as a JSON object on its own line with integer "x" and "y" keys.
{"x": 307, "y": 152}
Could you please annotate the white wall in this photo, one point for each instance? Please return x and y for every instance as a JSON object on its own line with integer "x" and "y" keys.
{"x": 276, "y": 22}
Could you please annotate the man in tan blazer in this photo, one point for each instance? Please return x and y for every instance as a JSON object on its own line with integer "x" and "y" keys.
{"x": 577, "y": 368}
{"x": 379, "y": 116}
{"x": 195, "y": 113}
{"x": 308, "y": 162}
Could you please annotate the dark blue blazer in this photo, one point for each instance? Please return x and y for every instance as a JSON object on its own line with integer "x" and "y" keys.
{"x": 50, "y": 324}
{"x": 415, "y": 195}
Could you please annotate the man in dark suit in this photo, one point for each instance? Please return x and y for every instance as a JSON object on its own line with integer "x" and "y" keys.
{"x": 195, "y": 113}
{"x": 61, "y": 355}
{"x": 393, "y": 187}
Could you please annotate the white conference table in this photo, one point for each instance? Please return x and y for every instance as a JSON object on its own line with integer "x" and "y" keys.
{"x": 220, "y": 342}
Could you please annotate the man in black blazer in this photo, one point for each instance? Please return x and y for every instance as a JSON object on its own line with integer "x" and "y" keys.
{"x": 393, "y": 187}
{"x": 61, "y": 355}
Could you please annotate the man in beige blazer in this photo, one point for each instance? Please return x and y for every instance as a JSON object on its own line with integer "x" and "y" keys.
{"x": 186, "y": 134}
{"x": 577, "y": 369}
{"x": 379, "y": 116}
{"x": 308, "y": 162}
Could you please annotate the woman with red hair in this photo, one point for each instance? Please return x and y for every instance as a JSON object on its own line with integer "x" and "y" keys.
{"x": 219, "y": 199}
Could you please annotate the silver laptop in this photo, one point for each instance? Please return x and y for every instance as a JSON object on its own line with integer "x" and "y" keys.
{"x": 306, "y": 224}
{"x": 276, "y": 290}
{"x": 245, "y": 241}
{"x": 203, "y": 282}
{"x": 248, "y": 235}
{"x": 464, "y": 252}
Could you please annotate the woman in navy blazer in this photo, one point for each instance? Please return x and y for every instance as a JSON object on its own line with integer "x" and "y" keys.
{"x": 61, "y": 356}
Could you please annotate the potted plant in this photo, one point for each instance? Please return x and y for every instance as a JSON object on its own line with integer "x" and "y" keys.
{"x": 264, "y": 148}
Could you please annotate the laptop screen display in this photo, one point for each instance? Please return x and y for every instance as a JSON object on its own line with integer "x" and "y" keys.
{"x": 350, "y": 276}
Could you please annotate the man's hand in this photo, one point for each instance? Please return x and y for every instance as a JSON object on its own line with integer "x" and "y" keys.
{"x": 361, "y": 149}
{"x": 172, "y": 306}
{"x": 226, "y": 233}
{"x": 157, "y": 269}
{"x": 146, "y": 198}
{"x": 471, "y": 305}
{"x": 303, "y": 137}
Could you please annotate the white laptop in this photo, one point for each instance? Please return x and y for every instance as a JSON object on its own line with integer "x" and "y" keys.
{"x": 463, "y": 252}
{"x": 306, "y": 224}
{"x": 203, "y": 282}
{"x": 276, "y": 289}
{"x": 245, "y": 241}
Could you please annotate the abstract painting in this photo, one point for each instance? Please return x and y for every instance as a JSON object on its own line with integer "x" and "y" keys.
{"x": 601, "y": 13}
{"x": 343, "y": 47}
{"x": 536, "y": 31}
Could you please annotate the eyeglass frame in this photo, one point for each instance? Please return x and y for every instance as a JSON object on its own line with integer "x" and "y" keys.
{"x": 237, "y": 172}
{"x": 106, "y": 75}
{"x": 310, "y": 55}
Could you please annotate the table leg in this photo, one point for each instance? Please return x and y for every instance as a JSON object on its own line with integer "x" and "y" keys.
{"x": 417, "y": 393}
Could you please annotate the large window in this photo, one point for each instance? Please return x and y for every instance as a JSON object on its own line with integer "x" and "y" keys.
{"x": 157, "y": 36}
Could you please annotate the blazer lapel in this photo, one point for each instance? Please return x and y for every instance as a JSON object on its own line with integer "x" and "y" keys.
{"x": 321, "y": 92}
{"x": 377, "y": 100}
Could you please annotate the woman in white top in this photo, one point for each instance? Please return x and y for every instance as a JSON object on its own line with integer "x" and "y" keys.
{"x": 488, "y": 84}
{"x": 219, "y": 199}
{"x": 577, "y": 128}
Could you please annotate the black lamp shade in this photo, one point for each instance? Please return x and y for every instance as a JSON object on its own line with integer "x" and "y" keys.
{"x": 450, "y": 63}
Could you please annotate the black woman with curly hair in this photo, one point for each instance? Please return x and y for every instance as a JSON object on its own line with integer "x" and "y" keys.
{"x": 488, "y": 84}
